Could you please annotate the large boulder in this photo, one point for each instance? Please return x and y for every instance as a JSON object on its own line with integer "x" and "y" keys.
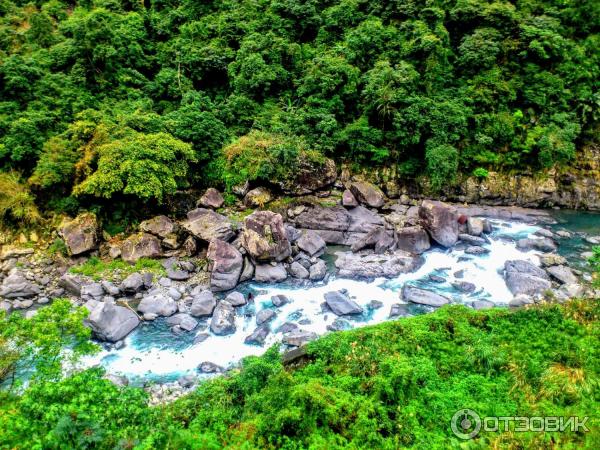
{"x": 80, "y": 234}
{"x": 441, "y": 221}
{"x": 203, "y": 304}
{"x": 160, "y": 226}
{"x": 544, "y": 244}
{"x": 17, "y": 286}
{"x": 379, "y": 238}
{"x": 140, "y": 245}
{"x": 223, "y": 319}
{"x": 318, "y": 271}
{"x": 348, "y": 199}
{"x": 423, "y": 297}
{"x": 111, "y": 322}
{"x": 311, "y": 243}
{"x": 182, "y": 320}
{"x": 298, "y": 338}
{"x": 320, "y": 218}
{"x": 258, "y": 197}
{"x": 266, "y": 273}
{"x": 367, "y": 264}
{"x": 367, "y": 194}
{"x": 563, "y": 274}
{"x": 264, "y": 237}
{"x": 310, "y": 176}
{"x": 523, "y": 277}
{"x": 211, "y": 199}
{"x": 226, "y": 264}
{"x": 412, "y": 239}
{"x": 340, "y": 304}
{"x": 297, "y": 270}
{"x": 208, "y": 225}
{"x": 258, "y": 336}
{"x": 159, "y": 304}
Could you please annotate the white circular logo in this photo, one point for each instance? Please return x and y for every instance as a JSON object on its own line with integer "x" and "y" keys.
{"x": 466, "y": 424}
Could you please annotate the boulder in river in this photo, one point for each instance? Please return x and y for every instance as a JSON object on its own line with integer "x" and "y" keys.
{"x": 265, "y": 315}
{"x": 317, "y": 271}
{"x": 208, "y": 225}
{"x": 133, "y": 283}
{"x": 160, "y": 226}
{"x": 184, "y": 321}
{"x": 441, "y": 221}
{"x": 472, "y": 240}
{"x": 203, "y": 304}
{"x": 279, "y": 300}
{"x": 297, "y": 270}
{"x": 412, "y": 239}
{"x": 266, "y": 273}
{"x": 159, "y": 304}
{"x": 399, "y": 310}
{"x": 311, "y": 243}
{"x": 211, "y": 199}
{"x": 341, "y": 304}
{"x": 474, "y": 226}
{"x": 80, "y": 234}
{"x": 209, "y": 367}
{"x": 111, "y": 322}
{"x": 523, "y": 277}
{"x": 367, "y": 264}
{"x": 226, "y": 264}
{"x": 544, "y": 244}
{"x": 563, "y": 274}
{"x": 378, "y": 238}
{"x": 223, "y": 319}
{"x": 258, "y": 336}
{"x": 140, "y": 245}
{"x": 423, "y": 297}
{"x": 298, "y": 338}
{"x": 236, "y": 298}
{"x": 367, "y": 194}
{"x": 264, "y": 237}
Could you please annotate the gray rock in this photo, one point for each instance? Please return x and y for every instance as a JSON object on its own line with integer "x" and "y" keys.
{"x": 399, "y": 310}
{"x": 412, "y": 239}
{"x": 203, "y": 304}
{"x": 201, "y": 337}
{"x": 298, "y": 271}
{"x": 371, "y": 265}
{"x": 474, "y": 226}
{"x": 375, "y": 304}
{"x": 379, "y": 238}
{"x": 158, "y": 304}
{"x": 287, "y": 327}
{"x": 298, "y": 338}
{"x": 133, "y": 283}
{"x": 236, "y": 298}
{"x": 111, "y": 322}
{"x": 520, "y": 300}
{"x": 209, "y": 367}
{"x": 482, "y": 304}
{"x": 16, "y": 285}
{"x": 441, "y": 221}
{"x": 552, "y": 259}
{"x": 223, "y": 319}
{"x": 187, "y": 381}
{"x": 543, "y": 244}
{"x": 522, "y": 277}
{"x": 464, "y": 286}
{"x": 266, "y": 273}
{"x": 292, "y": 233}
{"x": 258, "y": 336}
{"x": 339, "y": 325}
{"x": 211, "y": 199}
{"x": 141, "y": 245}
{"x": 264, "y": 316}
{"x": 226, "y": 264}
{"x": 348, "y": 199}
{"x": 279, "y": 300}
{"x": 341, "y": 304}
{"x": 247, "y": 270}
{"x": 94, "y": 290}
{"x": 320, "y": 218}
{"x": 110, "y": 288}
{"x": 160, "y": 226}
{"x": 311, "y": 243}
{"x": 367, "y": 194}
{"x": 423, "y": 297}
{"x": 117, "y": 380}
{"x": 437, "y": 278}
{"x": 208, "y": 225}
{"x": 184, "y": 321}
{"x": 264, "y": 237}
{"x": 318, "y": 271}
{"x": 178, "y": 274}
{"x": 476, "y": 250}
{"x": 80, "y": 234}
{"x": 563, "y": 274}
{"x": 472, "y": 240}
{"x": 258, "y": 197}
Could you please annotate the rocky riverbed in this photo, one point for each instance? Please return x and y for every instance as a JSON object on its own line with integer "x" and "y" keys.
{"x": 232, "y": 288}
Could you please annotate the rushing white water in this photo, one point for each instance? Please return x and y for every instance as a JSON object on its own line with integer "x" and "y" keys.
{"x": 152, "y": 351}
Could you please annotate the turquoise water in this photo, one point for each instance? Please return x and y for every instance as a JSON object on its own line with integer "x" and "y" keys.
{"x": 580, "y": 224}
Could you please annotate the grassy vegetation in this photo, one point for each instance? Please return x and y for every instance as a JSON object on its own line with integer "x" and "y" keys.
{"x": 393, "y": 385}
{"x": 98, "y": 269}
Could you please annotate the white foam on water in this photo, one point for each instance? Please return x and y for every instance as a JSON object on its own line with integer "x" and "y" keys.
{"x": 139, "y": 360}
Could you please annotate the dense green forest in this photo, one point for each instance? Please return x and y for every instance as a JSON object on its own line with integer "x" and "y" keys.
{"x": 106, "y": 100}
{"x": 393, "y": 385}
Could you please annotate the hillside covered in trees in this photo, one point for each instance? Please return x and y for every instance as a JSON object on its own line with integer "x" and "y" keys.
{"x": 120, "y": 100}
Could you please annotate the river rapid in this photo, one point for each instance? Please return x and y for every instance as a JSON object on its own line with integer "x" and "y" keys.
{"x": 153, "y": 353}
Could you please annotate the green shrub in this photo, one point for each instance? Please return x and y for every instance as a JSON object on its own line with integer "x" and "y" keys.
{"x": 17, "y": 204}
{"x": 98, "y": 269}
{"x": 481, "y": 173}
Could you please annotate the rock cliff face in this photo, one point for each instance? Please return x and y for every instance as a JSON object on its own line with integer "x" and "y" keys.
{"x": 577, "y": 187}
